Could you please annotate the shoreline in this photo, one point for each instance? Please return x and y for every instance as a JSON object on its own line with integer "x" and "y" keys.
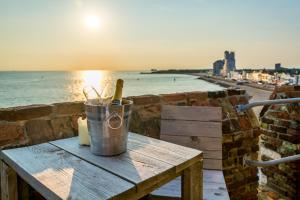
{"x": 229, "y": 83}
{"x": 255, "y": 91}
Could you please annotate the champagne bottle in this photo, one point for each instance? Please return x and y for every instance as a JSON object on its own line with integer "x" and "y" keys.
{"x": 117, "y": 98}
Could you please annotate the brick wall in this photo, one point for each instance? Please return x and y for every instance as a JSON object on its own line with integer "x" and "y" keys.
{"x": 40, "y": 123}
{"x": 280, "y": 137}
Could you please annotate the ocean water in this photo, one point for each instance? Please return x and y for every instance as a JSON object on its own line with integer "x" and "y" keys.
{"x": 26, "y": 88}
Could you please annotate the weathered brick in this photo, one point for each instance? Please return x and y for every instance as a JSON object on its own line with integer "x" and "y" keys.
{"x": 279, "y": 115}
{"x": 68, "y": 108}
{"x": 255, "y": 147}
{"x": 39, "y": 131}
{"x": 214, "y": 103}
{"x": 244, "y": 123}
{"x": 238, "y": 136}
{"x": 253, "y": 119}
{"x": 227, "y": 138}
{"x": 197, "y": 98}
{"x": 256, "y": 132}
{"x": 25, "y": 112}
{"x": 234, "y": 100}
{"x": 74, "y": 122}
{"x": 230, "y": 126}
{"x": 297, "y": 87}
{"x": 241, "y": 152}
{"x": 284, "y": 89}
{"x": 145, "y": 99}
{"x": 271, "y": 143}
{"x": 231, "y": 92}
{"x": 62, "y": 127}
{"x": 293, "y": 94}
{"x": 282, "y": 123}
{"x": 174, "y": 99}
{"x": 217, "y": 94}
{"x": 11, "y": 134}
{"x": 279, "y": 129}
{"x": 243, "y": 100}
{"x": 269, "y": 133}
{"x": 290, "y": 138}
{"x": 267, "y": 120}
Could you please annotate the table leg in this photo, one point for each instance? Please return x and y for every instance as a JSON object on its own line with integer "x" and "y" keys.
{"x": 192, "y": 182}
{"x": 9, "y": 189}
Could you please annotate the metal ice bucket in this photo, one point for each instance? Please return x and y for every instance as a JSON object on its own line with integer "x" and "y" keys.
{"x": 108, "y": 127}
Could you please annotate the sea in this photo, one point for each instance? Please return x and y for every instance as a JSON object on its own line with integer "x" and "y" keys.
{"x": 27, "y": 88}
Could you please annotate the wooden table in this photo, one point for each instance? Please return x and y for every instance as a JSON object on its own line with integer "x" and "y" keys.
{"x": 64, "y": 170}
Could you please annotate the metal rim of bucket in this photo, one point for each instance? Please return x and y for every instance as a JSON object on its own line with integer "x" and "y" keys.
{"x": 125, "y": 103}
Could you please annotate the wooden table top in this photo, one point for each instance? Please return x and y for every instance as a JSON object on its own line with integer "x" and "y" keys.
{"x": 63, "y": 169}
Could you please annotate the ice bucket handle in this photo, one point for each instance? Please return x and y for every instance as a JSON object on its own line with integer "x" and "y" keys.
{"x": 112, "y": 117}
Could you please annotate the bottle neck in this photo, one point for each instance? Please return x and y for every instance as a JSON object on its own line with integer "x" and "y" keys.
{"x": 117, "y": 98}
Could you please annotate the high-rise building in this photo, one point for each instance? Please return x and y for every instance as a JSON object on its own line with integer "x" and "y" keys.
{"x": 229, "y": 64}
{"x": 217, "y": 67}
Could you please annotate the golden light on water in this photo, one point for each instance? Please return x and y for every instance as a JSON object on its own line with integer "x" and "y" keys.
{"x": 101, "y": 80}
{"x": 94, "y": 78}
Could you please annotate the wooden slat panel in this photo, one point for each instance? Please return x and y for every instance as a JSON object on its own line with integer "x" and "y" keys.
{"x": 211, "y": 147}
{"x": 206, "y": 143}
{"x": 191, "y": 128}
{"x": 193, "y": 113}
{"x": 214, "y": 187}
{"x": 212, "y": 164}
{"x": 57, "y": 174}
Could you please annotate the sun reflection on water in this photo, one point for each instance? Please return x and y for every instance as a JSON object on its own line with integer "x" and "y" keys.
{"x": 96, "y": 78}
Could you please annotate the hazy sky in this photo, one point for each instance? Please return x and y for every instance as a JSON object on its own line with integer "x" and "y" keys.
{"x": 142, "y": 34}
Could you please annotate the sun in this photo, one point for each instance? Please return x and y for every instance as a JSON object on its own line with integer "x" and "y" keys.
{"x": 92, "y": 21}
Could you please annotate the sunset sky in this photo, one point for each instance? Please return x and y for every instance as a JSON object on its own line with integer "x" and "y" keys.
{"x": 145, "y": 34}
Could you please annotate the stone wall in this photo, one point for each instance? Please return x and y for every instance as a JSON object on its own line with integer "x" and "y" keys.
{"x": 40, "y": 123}
{"x": 28, "y": 125}
{"x": 280, "y": 137}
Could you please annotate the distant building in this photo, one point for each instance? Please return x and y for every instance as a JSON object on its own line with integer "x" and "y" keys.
{"x": 224, "y": 67}
{"x": 278, "y": 67}
{"x": 234, "y": 75}
{"x": 229, "y": 64}
{"x": 217, "y": 67}
{"x": 297, "y": 80}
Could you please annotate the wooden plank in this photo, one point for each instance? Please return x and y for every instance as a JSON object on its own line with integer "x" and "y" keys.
{"x": 211, "y": 147}
{"x": 214, "y": 187}
{"x": 57, "y": 174}
{"x": 179, "y": 156}
{"x": 9, "y": 185}
{"x": 191, "y": 128}
{"x": 137, "y": 168}
{"x": 212, "y": 164}
{"x": 191, "y": 182}
{"x": 206, "y": 143}
{"x": 193, "y": 113}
